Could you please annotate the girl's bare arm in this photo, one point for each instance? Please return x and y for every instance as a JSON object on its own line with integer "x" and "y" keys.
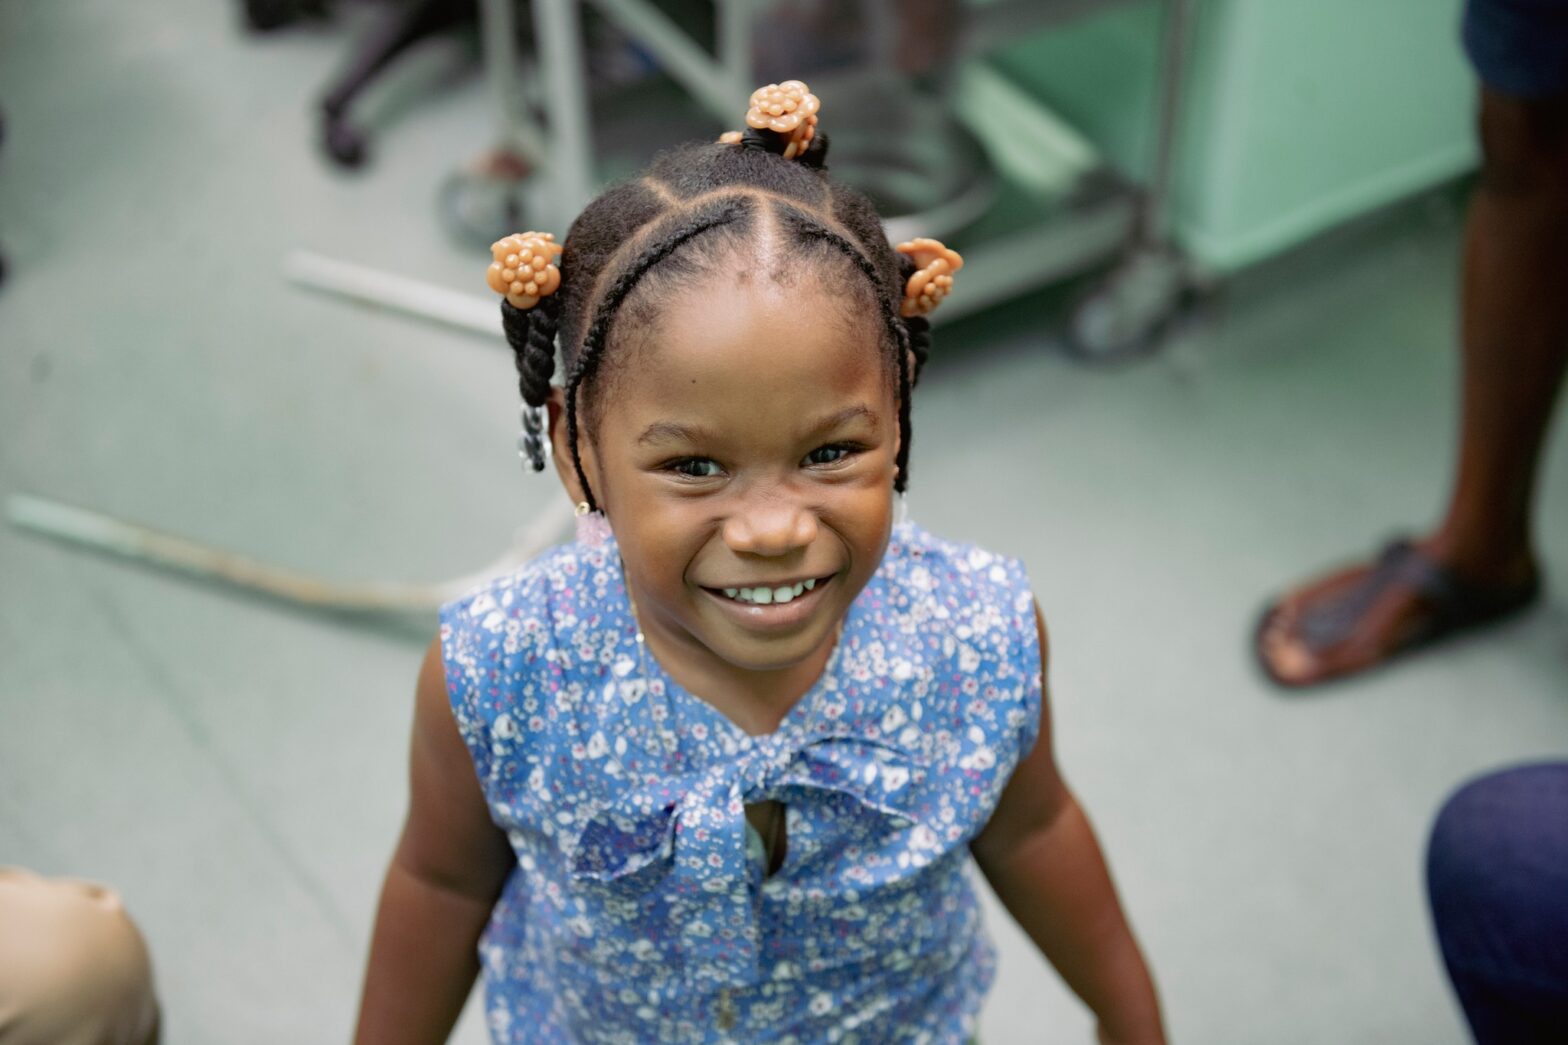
{"x": 1040, "y": 856}
{"x": 446, "y": 873}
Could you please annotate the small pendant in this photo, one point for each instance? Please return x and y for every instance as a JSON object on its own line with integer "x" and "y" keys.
{"x": 593, "y": 529}
{"x": 724, "y": 1019}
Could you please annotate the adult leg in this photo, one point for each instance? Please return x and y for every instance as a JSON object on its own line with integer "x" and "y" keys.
{"x": 1515, "y": 335}
{"x": 1497, "y": 878}
{"x": 1514, "y": 332}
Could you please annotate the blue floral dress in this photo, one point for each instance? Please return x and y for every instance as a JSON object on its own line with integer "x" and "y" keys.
{"x": 635, "y": 913}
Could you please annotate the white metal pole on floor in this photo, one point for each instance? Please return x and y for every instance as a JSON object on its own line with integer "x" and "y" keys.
{"x": 411, "y": 297}
{"x": 142, "y": 544}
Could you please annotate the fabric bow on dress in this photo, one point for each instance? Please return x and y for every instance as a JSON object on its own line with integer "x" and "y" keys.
{"x": 695, "y": 824}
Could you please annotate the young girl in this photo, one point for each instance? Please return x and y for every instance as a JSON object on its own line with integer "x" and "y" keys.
{"x": 715, "y": 772}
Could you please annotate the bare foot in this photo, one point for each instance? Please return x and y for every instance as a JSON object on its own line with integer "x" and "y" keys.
{"x": 1361, "y": 616}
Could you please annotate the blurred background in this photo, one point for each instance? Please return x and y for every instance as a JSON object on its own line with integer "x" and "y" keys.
{"x": 1205, "y": 344}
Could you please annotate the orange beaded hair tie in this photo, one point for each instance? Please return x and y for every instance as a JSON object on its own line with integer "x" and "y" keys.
{"x": 524, "y": 268}
{"x": 787, "y": 111}
{"x": 523, "y": 271}
{"x": 932, "y": 279}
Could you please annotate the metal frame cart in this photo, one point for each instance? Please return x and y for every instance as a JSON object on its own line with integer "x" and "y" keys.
{"x": 1099, "y": 221}
{"x": 1106, "y": 220}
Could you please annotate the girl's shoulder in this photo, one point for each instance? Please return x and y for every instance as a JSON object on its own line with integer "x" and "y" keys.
{"x": 962, "y": 621}
{"x": 920, "y": 564}
{"x": 522, "y": 623}
{"x": 553, "y": 584}
{"x": 525, "y": 638}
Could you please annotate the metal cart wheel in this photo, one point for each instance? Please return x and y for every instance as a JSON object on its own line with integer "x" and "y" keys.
{"x": 1131, "y": 308}
{"x": 343, "y": 142}
{"x": 488, "y": 199}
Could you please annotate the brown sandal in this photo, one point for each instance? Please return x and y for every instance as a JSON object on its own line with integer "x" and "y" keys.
{"x": 1452, "y": 604}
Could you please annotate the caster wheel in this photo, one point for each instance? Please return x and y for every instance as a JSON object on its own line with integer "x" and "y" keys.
{"x": 265, "y": 16}
{"x": 343, "y": 143}
{"x": 486, "y": 200}
{"x": 1128, "y": 312}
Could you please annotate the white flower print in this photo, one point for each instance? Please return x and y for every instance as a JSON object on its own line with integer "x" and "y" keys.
{"x": 979, "y": 758}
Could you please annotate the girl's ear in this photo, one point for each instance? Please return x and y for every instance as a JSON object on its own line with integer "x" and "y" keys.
{"x": 561, "y": 449}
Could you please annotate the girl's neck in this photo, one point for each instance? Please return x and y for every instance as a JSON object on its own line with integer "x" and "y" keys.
{"x": 755, "y": 700}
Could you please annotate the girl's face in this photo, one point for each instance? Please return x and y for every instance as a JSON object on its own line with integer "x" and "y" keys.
{"x": 745, "y": 458}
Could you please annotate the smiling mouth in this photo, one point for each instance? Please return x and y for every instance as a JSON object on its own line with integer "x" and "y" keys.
{"x": 768, "y": 595}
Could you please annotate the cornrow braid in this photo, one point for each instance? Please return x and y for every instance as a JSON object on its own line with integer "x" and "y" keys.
{"x": 898, "y": 335}
{"x": 634, "y": 244}
{"x": 918, "y": 326}
{"x": 531, "y": 334}
{"x": 586, "y": 364}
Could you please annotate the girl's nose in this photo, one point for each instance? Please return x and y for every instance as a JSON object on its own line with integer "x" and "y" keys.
{"x": 776, "y": 528}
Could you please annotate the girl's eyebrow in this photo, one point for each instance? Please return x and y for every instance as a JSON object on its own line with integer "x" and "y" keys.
{"x": 853, "y": 413}
{"x": 670, "y": 431}
{"x": 674, "y": 431}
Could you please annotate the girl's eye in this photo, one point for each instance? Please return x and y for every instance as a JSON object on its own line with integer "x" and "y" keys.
{"x": 831, "y": 454}
{"x": 696, "y": 467}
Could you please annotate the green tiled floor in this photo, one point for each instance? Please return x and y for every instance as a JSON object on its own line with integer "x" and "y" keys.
{"x": 237, "y": 769}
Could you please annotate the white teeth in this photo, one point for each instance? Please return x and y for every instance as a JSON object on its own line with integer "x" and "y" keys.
{"x": 768, "y": 596}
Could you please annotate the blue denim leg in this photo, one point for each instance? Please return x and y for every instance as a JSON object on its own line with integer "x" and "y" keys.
{"x": 1497, "y": 876}
{"x": 1518, "y": 47}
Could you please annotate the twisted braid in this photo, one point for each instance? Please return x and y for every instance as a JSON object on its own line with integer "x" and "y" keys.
{"x": 589, "y": 354}
{"x": 816, "y": 154}
{"x": 763, "y": 141}
{"x": 814, "y": 157}
{"x": 531, "y": 334}
{"x": 532, "y": 337}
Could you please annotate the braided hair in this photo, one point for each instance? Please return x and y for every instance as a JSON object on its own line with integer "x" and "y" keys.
{"x": 694, "y": 205}
{"x": 531, "y": 334}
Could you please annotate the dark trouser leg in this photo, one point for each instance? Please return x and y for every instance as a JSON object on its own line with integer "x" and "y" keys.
{"x": 1497, "y": 877}
{"x": 1515, "y": 334}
